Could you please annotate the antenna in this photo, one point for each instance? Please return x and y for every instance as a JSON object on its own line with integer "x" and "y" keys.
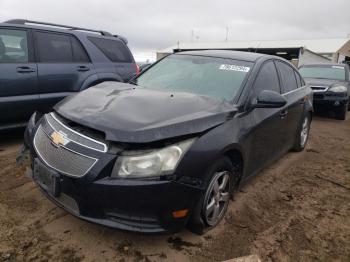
{"x": 227, "y": 30}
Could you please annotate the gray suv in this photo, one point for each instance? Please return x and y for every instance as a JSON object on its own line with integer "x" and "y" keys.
{"x": 41, "y": 63}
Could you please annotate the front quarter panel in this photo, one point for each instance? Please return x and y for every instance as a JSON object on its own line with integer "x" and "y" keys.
{"x": 207, "y": 149}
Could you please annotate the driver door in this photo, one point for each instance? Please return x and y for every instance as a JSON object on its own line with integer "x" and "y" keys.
{"x": 268, "y": 133}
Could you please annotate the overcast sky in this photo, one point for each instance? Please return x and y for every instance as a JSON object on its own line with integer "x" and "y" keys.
{"x": 151, "y": 25}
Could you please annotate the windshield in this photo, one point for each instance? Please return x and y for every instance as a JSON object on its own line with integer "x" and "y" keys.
{"x": 209, "y": 76}
{"x": 323, "y": 72}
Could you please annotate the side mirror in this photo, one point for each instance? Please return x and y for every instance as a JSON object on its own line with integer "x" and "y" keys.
{"x": 269, "y": 99}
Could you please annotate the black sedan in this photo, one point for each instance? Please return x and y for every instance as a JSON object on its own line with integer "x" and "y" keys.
{"x": 169, "y": 149}
{"x": 331, "y": 87}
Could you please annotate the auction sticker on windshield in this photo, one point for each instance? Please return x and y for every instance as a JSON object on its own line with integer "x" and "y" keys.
{"x": 234, "y": 68}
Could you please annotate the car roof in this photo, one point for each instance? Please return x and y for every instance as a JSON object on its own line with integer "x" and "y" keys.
{"x": 237, "y": 55}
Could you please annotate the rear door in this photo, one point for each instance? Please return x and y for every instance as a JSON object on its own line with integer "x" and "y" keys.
{"x": 63, "y": 65}
{"x": 18, "y": 76}
{"x": 267, "y": 137}
{"x": 121, "y": 61}
{"x": 295, "y": 104}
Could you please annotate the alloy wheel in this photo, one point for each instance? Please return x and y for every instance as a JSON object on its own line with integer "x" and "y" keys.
{"x": 217, "y": 198}
{"x": 304, "y": 132}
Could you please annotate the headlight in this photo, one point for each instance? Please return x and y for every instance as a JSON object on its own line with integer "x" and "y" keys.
{"x": 150, "y": 164}
{"x": 338, "y": 89}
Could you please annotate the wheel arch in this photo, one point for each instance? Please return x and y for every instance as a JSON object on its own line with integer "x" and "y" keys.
{"x": 308, "y": 108}
{"x": 235, "y": 155}
{"x": 94, "y": 80}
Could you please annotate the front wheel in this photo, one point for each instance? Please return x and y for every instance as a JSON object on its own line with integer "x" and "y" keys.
{"x": 217, "y": 198}
{"x": 303, "y": 133}
{"x": 213, "y": 204}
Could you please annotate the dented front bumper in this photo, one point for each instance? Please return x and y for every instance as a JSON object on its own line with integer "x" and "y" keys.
{"x": 130, "y": 204}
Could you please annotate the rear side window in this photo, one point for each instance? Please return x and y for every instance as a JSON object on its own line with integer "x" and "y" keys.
{"x": 267, "y": 79}
{"x": 59, "y": 48}
{"x": 114, "y": 50}
{"x": 54, "y": 48}
{"x": 289, "y": 82}
{"x": 79, "y": 53}
{"x": 13, "y": 46}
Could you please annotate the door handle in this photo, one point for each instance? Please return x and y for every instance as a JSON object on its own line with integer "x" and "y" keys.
{"x": 25, "y": 69}
{"x": 283, "y": 113}
{"x": 83, "y": 68}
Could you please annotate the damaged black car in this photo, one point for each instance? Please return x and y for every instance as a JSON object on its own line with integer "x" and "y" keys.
{"x": 168, "y": 149}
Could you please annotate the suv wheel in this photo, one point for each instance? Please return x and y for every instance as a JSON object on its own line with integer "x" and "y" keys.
{"x": 341, "y": 114}
{"x": 212, "y": 206}
{"x": 303, "y": 133}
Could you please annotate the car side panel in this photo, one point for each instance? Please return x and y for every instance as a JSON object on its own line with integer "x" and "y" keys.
{"x": 296, "y": 104}
{"x": 18, "y": 87}
{"x": 209, "y": 147}
{"x": 266, "y": 138}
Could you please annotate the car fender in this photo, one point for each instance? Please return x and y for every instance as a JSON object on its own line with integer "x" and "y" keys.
{"x": 308, "y": 107}
{"x": 96, "y": 79}
{"x": 110, "y": 77}
{"x": 209, "y": 147}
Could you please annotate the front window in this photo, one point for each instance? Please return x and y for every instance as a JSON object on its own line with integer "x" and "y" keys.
{"x": 323, "y": 72}
{"x": 13, "y": 46}
{"x": 209, "y": 76}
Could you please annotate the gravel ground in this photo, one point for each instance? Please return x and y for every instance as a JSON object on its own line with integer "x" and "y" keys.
{"x": 296, "y": 210}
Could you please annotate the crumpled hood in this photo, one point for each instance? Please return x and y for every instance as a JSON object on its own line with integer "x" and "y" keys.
{"x": 127, "y": 113}
{"x": 322, "y": 82}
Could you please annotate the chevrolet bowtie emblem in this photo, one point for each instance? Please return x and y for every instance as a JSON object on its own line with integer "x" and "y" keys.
{"x": 58, "y": 139}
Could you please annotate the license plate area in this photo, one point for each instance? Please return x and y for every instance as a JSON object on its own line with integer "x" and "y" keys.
{"x": 47, "y": 179}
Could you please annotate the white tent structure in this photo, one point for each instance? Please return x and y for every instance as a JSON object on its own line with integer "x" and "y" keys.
{"x": 298, "y": 51}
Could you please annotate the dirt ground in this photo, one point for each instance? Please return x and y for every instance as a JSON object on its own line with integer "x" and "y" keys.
{"x": 296, "y": 210}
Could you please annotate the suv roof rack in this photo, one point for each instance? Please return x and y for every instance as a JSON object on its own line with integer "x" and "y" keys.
{"x": 24, "y": 21}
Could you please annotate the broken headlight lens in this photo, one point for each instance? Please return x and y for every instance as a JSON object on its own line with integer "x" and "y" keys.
{"x": 141, "y": 164}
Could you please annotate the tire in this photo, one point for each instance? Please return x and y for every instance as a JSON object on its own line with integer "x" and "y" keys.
{"x": 341, "y": 114}
{"x": 203, "y": 219}
{"x": 302, "y": 135}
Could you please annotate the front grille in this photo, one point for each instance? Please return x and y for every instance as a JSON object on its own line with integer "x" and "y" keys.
{"x": 61, "y": 158}
{"x": 55, "y": 124}
{"x": 318, "y": 96}
{"x": 319, "y": 88}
